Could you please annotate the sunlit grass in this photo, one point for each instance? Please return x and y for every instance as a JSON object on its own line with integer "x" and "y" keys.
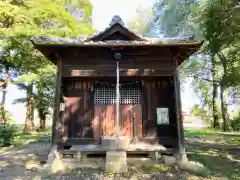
{"x": 200, "y": 132}
{"x": 214, "y": 136}
{"x": 23, "y": 138}
{"x": 213, "y": 149}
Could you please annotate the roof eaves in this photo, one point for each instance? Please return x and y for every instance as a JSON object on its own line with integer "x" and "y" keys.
{"x": 83, "y": 42}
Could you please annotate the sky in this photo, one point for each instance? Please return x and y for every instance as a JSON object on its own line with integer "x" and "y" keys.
{"x": 103, "y": 11}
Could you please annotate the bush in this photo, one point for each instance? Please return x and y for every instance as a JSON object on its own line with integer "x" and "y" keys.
{"x": 7, "y": 134}
{"x": 235, "y": 123}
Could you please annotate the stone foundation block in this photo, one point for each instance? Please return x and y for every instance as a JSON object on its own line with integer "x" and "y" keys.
{"x": 169, "y": 160}
{"x": 154, "y": 155}
{"x": 115, "y": 143}
{"x": 116, "y": 162}
{"x": 78, "y": 156}
{"x": 195, "y": 167}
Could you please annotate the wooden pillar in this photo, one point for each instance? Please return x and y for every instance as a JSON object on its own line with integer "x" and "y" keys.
{"x": 149, "y": 109}
{"x": 181, "y": 154}
{"x": 56, "y": 108}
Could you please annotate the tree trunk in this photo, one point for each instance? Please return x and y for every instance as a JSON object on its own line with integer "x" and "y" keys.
{"x": 42, "y": 117}
{"x": 4, "y": 94}
{"x": 214, "y": 95}
{"x": 223, "y": 95}
{"x": 29, "y": 120}
{"x": 214, "y": 107}
{"x": 225, "y": 126}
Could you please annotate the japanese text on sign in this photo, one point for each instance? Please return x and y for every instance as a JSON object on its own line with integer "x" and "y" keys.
{"x": 162, "y": 116}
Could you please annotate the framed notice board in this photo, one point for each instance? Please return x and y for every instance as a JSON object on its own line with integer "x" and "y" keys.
{"x": 162, "y": 116}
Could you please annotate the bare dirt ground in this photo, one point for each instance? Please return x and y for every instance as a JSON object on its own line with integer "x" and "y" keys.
{"x": 26, "y": 163}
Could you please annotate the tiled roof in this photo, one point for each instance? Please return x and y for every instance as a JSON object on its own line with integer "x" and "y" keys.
{"x": 149, "y": 41}
{"x": 98, "y": 38}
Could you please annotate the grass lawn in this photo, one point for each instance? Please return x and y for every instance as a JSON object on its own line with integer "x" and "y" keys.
{"x": 219, "y": 152}
{"x": 22, "y": 138}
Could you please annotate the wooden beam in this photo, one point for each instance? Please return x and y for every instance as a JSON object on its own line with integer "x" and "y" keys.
{"x": 111, "y": 72}
{"x": 109, "y": 60}
{"x": 128, "y": 63}
{"x": 98, "y": 70}
{"x": 112, "y": 67}
{"x": 97, "y": 141}
{"x": 56, "y": 108}
{"x": 98, "y": 51}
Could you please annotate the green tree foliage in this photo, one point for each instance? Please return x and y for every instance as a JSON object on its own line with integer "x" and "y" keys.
{"x": 141, "y": 23}
{"x": 216, "y": 69}
{"x": 174, "y": 17}
{"x": 21, "y": 21}
{"x": 219, "y": 22}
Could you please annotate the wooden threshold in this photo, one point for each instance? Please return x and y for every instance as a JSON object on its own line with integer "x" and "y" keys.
{"x": 138, "y": 147}
{"x": 165, "y": 141}
{"x": 82, "y": 141}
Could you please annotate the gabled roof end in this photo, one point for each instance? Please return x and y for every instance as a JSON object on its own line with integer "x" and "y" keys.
{"x": 116, "y": 20}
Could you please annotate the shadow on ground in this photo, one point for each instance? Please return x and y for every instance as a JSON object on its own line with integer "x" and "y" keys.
{"x": 220, "y": 155}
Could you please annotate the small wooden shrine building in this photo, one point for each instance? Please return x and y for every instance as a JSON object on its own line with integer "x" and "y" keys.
{"x": 149, "y": 105}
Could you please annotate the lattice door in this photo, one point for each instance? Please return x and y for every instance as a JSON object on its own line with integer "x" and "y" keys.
{"x": 108, "y": 96}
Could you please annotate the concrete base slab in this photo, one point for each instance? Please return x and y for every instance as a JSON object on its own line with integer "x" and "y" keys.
{"x": 195, "y": 167}
{"x": 181, "y": 157}
{"x": 115, "y": 143}
{"x": 155, "y": 155}
{"x": 169, "y": 160}
{"x": 116, "y": 162}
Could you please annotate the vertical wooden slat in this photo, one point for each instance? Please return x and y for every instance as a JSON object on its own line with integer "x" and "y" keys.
{"x": 151, "y": 109}
{"x": 97, "y": 125}
{"x": 144, "y": 104}
{"x": 148, "y": 86}
{"x": 72, "y": 119}
{"x": 137, "y": 118}
{"x": 90, "y": 105}
{"x": 127, "y": 124}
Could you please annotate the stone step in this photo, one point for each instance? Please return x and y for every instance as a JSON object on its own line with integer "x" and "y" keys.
{"x": 146, "y": 147}
{"x": 87, "y": 148}
{"x": 132, "y": 147}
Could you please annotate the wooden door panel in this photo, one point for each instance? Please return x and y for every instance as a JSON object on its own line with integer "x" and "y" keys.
{"x": 137, "y": 119}
{"x": 126, "y": 124}
{"x": 130, "y": 120}
{"x": 104, "y": 120}
{"x": 97, "y": 121}
{"x": 109, "y": 120}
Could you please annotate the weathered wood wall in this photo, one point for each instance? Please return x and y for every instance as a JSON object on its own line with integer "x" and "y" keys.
{"x": 78, "y": 114}
{"x": 99, "y": 61}
{"x": 159, "y": 92}
{"x": 83, "y": 119}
